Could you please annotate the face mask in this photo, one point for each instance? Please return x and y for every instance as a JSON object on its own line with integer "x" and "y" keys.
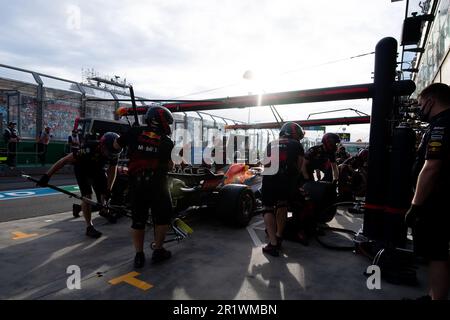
{"x": 424, "y": 115}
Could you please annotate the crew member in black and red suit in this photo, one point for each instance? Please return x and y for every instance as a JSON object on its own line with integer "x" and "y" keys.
{"x": 353, "y": 176}
{"x": 429, "y": 214}
{"x": 280, "y": 187}
{"x": 322, "y": 158}
{"x": 149, "y": 151}
{"x": 89, "y": 163}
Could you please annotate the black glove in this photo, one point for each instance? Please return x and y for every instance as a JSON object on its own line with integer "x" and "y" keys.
{"x": 43, "y": 182}
{"x": 412, "y": 215}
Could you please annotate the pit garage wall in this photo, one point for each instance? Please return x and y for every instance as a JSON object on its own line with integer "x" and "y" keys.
{"x": 435, "y": 63}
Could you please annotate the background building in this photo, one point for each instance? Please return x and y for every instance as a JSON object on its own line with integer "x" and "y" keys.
{"x": 426, "y": 42}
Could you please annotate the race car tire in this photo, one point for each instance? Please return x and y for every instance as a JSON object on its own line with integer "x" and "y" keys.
{"x": 323, "y": 195}
{"x": 236, "y": 204}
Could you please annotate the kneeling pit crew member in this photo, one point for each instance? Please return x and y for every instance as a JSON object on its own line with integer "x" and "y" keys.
{"x": 149, "y": 151}
{"x": 322, "y": 157}
{"x": 278, "y": 189}
{"x": 353, "y": 176}
{"x": 89, "y": 165}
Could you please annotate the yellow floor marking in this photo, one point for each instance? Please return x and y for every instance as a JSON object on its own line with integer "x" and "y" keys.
{"x": 20, "y": 235}
{"x": 130, "y": 278}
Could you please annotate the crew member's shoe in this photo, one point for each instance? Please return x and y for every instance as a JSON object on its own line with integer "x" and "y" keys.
{"x": 271, "y": 249}
{"x": 279, "y": 239}
{"x": 139, "y": 260}
{"x": 76, "y": 209}
{"x": 108, "y": 216}
{"x": 160, "y": 255}
{"x": 93, "y": 233}
{"x": 279, "y": 242}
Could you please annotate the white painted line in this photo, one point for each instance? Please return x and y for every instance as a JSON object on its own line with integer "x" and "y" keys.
{"x": 93, "y": 244}
{"x": 282, "y": 291}
{"x": 257, "y": 223}
{"x": 32, "y": 193}
{"x": 58, "y": 254}
{"x": 251, "y": 231}
{"x": 2, "y": 198}
{"x": 60, "y": 213}
{"x": 256, "y": 241}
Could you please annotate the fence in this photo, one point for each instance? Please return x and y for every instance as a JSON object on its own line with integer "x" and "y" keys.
{"x": 34, "y": 100}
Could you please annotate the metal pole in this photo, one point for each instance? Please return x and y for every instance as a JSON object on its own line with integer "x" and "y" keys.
{"x": 304, "y": 123}
{"x": 40, "y": 98}
{"x": 382, "y": 107}
{"x": 82, "y": 100}
{"x": 360, "y": 91}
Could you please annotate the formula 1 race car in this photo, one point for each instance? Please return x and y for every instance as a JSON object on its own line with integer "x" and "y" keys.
{"x": 232, "y": 195}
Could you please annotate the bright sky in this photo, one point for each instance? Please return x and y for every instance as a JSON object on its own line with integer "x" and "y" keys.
{"x": 173, "y": 48}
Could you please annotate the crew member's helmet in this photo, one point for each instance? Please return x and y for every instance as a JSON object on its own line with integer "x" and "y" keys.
{"x": 107, "y": 145}
{"x": 330, "y": 142}
{"x": 159, "y": 119}
{"x": 292, "y": 130}
{"x": 363, "y": 154}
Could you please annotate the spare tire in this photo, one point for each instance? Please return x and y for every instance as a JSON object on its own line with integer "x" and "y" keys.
{"x": 236, "y": 204}
{"x": 323, "y": 195}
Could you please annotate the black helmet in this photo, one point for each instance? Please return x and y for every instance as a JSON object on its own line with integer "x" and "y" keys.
{"x": 292, "y": 130}
{"x": 330, "y": 141}
{"x": 363, "y": 154}
{"x": 159, "y": 119}
{"x": 107, "y": 145}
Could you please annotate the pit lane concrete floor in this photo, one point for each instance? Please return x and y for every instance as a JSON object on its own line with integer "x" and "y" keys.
{"x": 216, "y": 262}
